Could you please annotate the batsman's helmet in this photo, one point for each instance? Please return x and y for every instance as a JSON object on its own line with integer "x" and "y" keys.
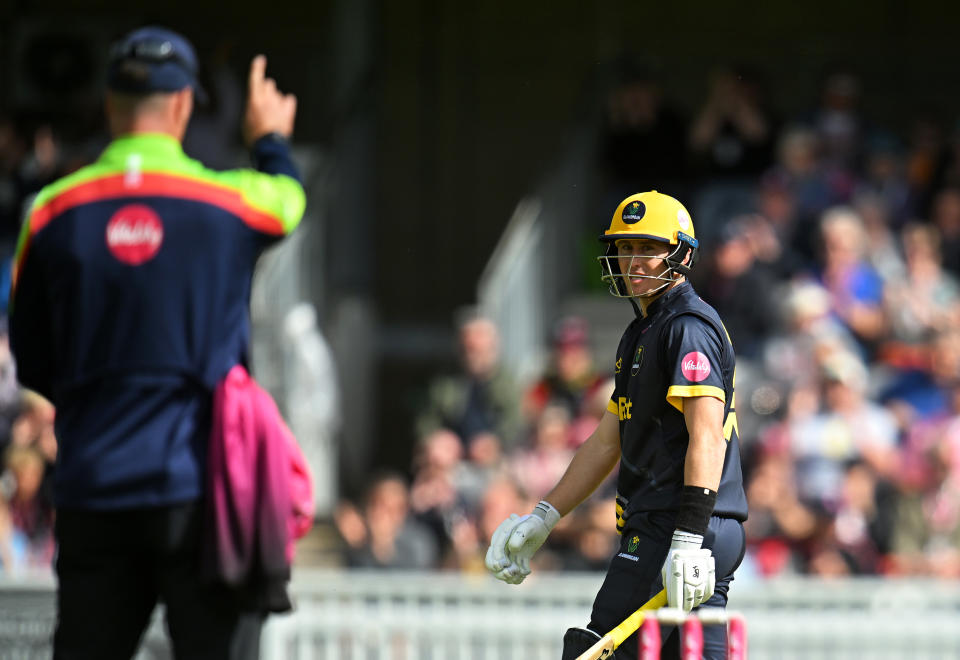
{"x": 655, "y": 216}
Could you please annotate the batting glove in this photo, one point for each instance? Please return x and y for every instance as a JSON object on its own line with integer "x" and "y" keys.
{"x": 688, "y": 573}
{"x": 517, "y": 539}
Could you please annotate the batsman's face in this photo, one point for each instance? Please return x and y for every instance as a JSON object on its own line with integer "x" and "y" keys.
{"x": 641, "y": 259}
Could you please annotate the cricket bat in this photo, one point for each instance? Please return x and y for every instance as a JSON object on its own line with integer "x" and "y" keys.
{"x": 605, "y": 646}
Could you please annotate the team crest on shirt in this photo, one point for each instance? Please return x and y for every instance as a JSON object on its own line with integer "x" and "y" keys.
{"x": 637, "y": 361}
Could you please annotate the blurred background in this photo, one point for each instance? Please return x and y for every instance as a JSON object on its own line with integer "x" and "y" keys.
{"x": 437, "y": 335}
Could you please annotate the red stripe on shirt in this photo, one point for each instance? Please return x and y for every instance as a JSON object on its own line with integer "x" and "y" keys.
{"x": 153, "y": 184}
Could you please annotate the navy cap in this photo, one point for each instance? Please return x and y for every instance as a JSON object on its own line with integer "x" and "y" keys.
{"x": 153, "y": 59}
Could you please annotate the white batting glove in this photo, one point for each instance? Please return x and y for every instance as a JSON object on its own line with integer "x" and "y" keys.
{"x": 497, "y": 561}
{"x": 689, "y": 575}
{"x": 516, "y": 540}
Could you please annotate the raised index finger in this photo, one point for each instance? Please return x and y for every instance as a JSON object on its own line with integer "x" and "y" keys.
{"x": 258, "y": 67}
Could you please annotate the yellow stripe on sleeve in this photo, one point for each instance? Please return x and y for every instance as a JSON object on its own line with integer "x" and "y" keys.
{"x": 677, "y": 393}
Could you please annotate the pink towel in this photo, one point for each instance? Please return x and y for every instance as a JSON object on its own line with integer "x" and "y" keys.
{"x": 259, "y": 489}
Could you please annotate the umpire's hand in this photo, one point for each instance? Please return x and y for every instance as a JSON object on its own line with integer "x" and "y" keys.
{"x": 268, "y": 110}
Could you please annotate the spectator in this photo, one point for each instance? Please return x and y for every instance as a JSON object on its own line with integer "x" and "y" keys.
{"x": 926, "y": 526}
{"x": 385, "y": 534}
{"x": 739, "y": 289}
{"x": 482, "y": 398}
{"x": 849, "y": 428}
{"x": 857, "y": 537}
{"x": 775, "y": 228}
{"x": 13, "y": 542}
{"x": 923, "y": 392}
{"x": 12, "y": 153}
{"x": 840, "y": 127}
{"x": 884, "y": 177}
{"x": 945, "y": 216}
{"x": 444, "y": 488}
{"x": 799, "y": 166}
{"x": 10, "y": 394}
{"x": 780, "y": 524}
{"x": 855, "y": 288}
{"x": 31, "y": 512}
{"x": 883, "y": 250}
{"x": 732, "y": 134}
{"x": 924, "y": 151}
{"x": 570, "y": 379}
{"x": 640, "y": 135}
{"x": 810, "y": 332}
{"x": 541, "y": 465}
{"x": 927, "y": 299}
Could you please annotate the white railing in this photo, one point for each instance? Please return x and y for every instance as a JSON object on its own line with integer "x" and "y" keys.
{"x": 349, "y": 615}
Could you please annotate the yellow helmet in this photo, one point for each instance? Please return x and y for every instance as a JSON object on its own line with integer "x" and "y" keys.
{"x": 656, "y": 216}
{"x": 651, "y": 215}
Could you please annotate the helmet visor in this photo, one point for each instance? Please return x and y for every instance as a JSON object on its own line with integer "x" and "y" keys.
{"x": 618, "y": 271}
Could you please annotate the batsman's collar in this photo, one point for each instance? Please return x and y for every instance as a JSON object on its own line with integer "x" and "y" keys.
{"x": 153, "y": 59}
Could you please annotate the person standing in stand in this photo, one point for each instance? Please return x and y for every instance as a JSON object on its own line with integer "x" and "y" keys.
{"x": 129, "y": 304}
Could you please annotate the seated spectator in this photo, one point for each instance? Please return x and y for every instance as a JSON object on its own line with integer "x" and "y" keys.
{"x": 855, "y": 288}
{"x": 927, "y": 299}
{"x": 923, "y": 393}
{"x": 883, "y": 250}
{"x": 31, "y": 513}
{"x": 482, "y": 397}
{"x": 779, "y": 525}
{"x": 384, "y": 534}
{"x": 448, "y": 487}
{"x": 798, "y": 169}
{"x": 10, "y": 393}
{"x": 849, "y": 428}
{"x": 841, "y": 128}
{"x": 34, "y": 428}
{"x": 739, "y": 289}
{"x": 594, "y": 406}
{"x": 926, "y": 526}
{"x": 945, "y": 216}
{"x": 541, "y": 465}
{"x": 638, "y": 119}
{"x": 732, "y": 133}
{"x": 13, "y": 542}
{"x": 809, "y": 332}
{"x": 435, "y": 496}
{"x": 857, "y": 537}
{"x": 589, "y": 539}
{"x": 924, "y": 150}
{"x": 12, "y": 152}
{"x": 570, "y": 378}
{"x": 884, "y": 177}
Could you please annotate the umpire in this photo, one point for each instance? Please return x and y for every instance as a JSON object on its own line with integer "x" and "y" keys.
{"x": 129, "y": 303}
{"x": 672, "y": 426}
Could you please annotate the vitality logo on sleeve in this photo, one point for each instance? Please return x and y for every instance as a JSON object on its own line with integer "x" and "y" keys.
{"x": 695, "y": 366}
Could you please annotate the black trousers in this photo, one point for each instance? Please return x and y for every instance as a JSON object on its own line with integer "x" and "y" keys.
{"x": 634, "y": 577}
{"x": 113, "y": 567}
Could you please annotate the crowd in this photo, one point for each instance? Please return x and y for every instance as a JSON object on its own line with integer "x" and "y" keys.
{"x": 28, "y": 448}
{"x": 832, "y": 252}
